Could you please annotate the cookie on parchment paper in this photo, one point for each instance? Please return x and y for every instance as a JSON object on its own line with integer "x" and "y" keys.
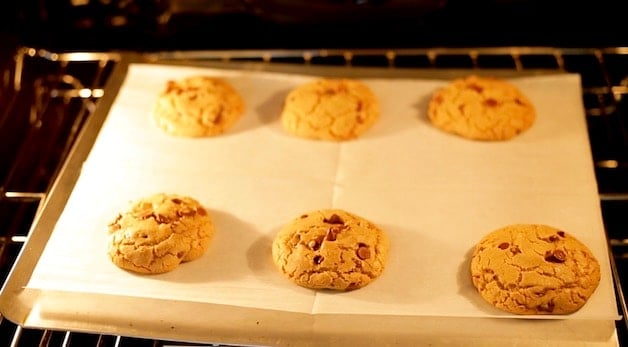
{"x": 533, "y": 269}
{"x": 198, "y": 106}
{"x": 159, "y": 232}
{"x": 331, "y": 249}
{"x": 481, "y": 108}
{"x": 332, "y": 109}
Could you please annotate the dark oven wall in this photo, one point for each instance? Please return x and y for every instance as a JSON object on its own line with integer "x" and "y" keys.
{"x": 233, "y": 24}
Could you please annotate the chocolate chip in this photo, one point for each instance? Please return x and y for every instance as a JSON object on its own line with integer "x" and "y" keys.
{"x": 315, "y": 244}
{"x": 303, "y": 216}
{"x": 490, "y": 102}
{"x": 186, "y": 213}
{"x": 318, "y": 259}
{"x": 161, "y": 219}
{"x": 176, "y": 201}
{"x": 555, "y": 256}
{"x": 504, "y": 245}
{"x": 553, "y": 238}
{"x": 201, "y": 211}
{"x": 476, "y": 88}
{"x": 561, "y": 233}
{"x": 331, "y": 234}
{"x": 363, "y": 252}
{"x": 352, "y": 286}
{"x": 334, "y": 219}
{"x": 547, "y": 307}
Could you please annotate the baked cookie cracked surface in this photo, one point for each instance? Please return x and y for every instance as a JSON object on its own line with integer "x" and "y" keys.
{"x": 333, "y": 109}
{"x": 534, "y": 269}
{"x": 331, "y": 249}
{"x": 197, "y": 106}
{"x": 159, "y": 232}
{"x": 481, "y": 108}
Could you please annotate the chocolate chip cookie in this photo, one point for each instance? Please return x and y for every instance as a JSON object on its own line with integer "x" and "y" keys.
{"x": 197, "y": 106}
{"x": 159, "y": 232}
{"x": 481, "y": 108}
{"x": 331, "y": 249}
{"x": 333, "y": 109}
{"x": 534, "y": 269}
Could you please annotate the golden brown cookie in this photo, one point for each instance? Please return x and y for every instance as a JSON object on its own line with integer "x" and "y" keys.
{"x": 333, "y": 109}
{"x": 159, "y": 232}
{"x": 331, "y": 249}
{"x": 534, "y": 269}
{"x": 481, "y": 108}
{"x": 197, "y": 106}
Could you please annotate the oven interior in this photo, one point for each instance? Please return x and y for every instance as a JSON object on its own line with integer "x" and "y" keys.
{"x": 47, "y": 94}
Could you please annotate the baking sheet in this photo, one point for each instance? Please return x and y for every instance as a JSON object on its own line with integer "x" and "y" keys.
{"x": 435, "y": 194}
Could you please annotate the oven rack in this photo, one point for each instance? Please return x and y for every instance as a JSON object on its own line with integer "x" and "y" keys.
{"x": 45, "y": 98}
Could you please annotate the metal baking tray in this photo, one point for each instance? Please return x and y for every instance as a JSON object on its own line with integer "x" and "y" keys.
{"x": 198, "y": 322}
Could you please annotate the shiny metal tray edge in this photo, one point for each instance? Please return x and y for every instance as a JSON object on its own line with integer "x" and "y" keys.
{"x": 43, "y": 224}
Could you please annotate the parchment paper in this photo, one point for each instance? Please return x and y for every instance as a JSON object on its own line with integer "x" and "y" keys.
{"x": 435, "y": 194}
